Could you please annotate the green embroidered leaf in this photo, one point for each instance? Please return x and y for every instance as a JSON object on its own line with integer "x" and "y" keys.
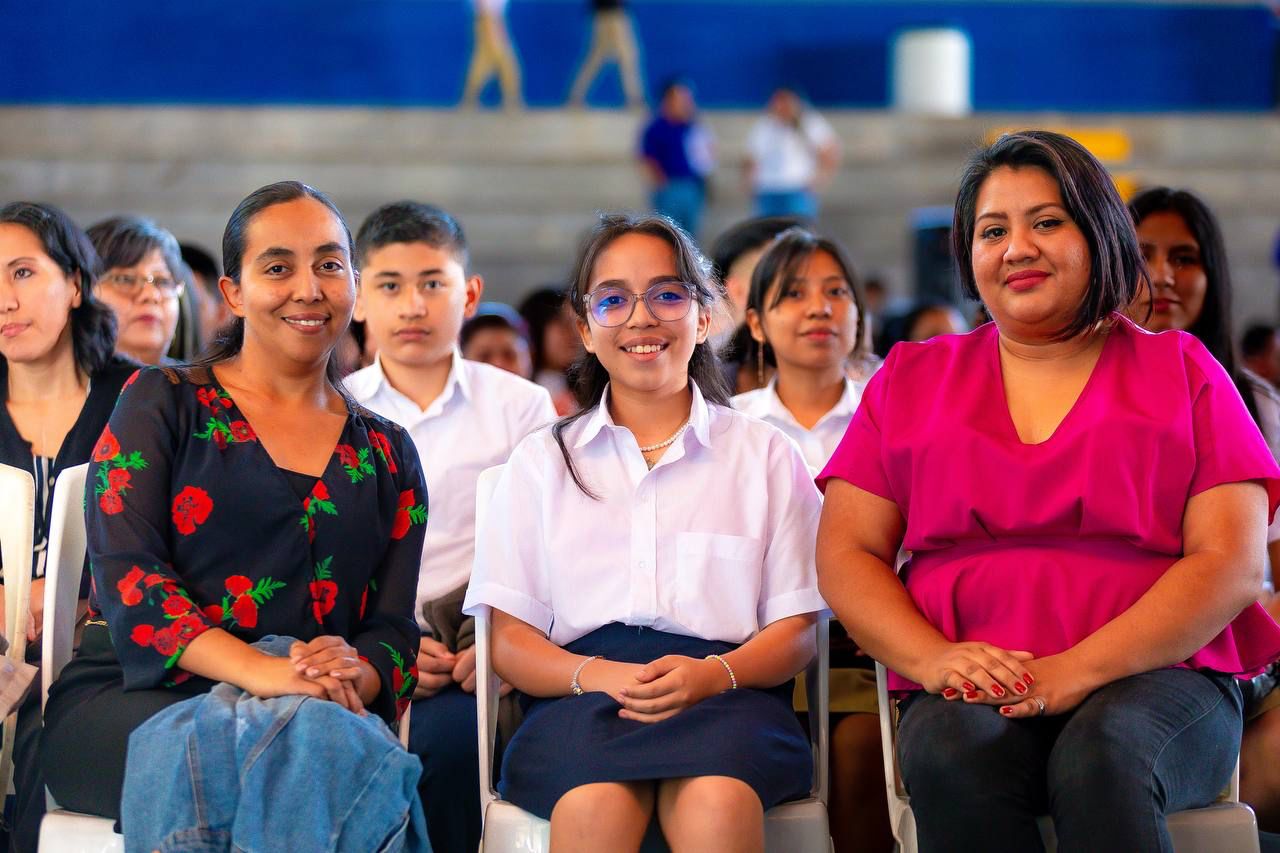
{"x": 265, "y": 589}
{"x": 208, "y": 430}
{"x": 395, "y": 655}
{"x": 173, "y": 659}
{"x": 418, "y": 514}
{"x": 103, "y": 483}
{"x": 133, "y": 461}
{"x": 373, "y": 584}
{"x": 322, "y": 568}
{"x": 326, "y": 506}
{"x": 363, "y": 456}
{"x": 305, "y": 521}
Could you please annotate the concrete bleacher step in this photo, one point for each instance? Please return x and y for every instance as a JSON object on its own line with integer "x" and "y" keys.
{"x": 526, "y": 185}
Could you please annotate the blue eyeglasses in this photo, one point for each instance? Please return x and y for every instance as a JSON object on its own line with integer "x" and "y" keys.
{"x": 613, "y": 306}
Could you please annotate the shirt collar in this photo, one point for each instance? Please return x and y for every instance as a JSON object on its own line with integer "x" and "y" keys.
{"x": 599, "y": 418}
{"x": 459, "y": 381}
{"x": 846, "y": 406}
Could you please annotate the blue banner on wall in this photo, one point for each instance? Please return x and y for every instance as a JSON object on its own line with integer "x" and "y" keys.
{"x": 1080, "y": 56}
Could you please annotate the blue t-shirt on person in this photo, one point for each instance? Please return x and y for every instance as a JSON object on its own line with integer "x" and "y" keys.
{"x": 666, "y": 143}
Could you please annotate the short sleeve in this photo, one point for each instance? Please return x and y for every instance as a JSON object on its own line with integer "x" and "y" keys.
{"x": 789, "y": 586}
{"x": 1229, "y": 448}
{"x": 538, "y": 412}
{"x": 859, "y": 458}
{"x": 819, "y": 130}
{"x": 510, "y": 571}
{"x": 648, "y": 142}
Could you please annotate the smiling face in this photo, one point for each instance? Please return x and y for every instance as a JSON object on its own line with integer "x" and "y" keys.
{"x": 147, "y": 318}
{"x": 1178, "y": 278}
{"x": 413, "y": 300}
{"x": 296, "y": 285}
{"x": 811, "y": 319}
{"x": 1031, "y": 262}
{"x": 643, "y": 355}
{"x": 36, "y": 298}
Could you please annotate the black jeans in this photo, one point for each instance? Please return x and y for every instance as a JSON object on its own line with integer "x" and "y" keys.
{"x": 1108, "y": 773}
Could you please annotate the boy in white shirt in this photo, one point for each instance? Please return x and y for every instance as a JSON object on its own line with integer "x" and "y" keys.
{"x": 416, "y": 289}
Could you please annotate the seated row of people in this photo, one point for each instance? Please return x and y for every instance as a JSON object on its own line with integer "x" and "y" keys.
{"x": 649, "y": 562}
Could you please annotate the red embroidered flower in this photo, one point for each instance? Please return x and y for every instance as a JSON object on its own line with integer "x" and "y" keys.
{"x": 245, "y": 612}
{"x": 190, "y": 508}
{"x": 397, "y": 680}
{"x": 142, "y": 634}
{"x": 324, "y": 594}
{"x": 110, "y": 502}
{"x": 241, "y": 431}
{"x": 219, "y": 439}
{"x": 107, "y": 447}
{"x": 187, "y": 627}
{"x": 130, "y": 380}
{"x": 128, "y": 587}
{"x": 320, "y": 491}
{"x": 213, "y": 613}
{"x": 379, "y": 441}
{"x": 401, "y": 525}
{"x": 119, "y": 479}
{"x": 153, "y": 580}
{"x": 364, "y": 600}
{"x": 238, "y": 585}
{"x": 177, "y": 605}
{"x": 226, "y": 404}
{"x": 165, "y": 641}
{"x": 402, "y": 705}
{"x": 207, "y": 396}
{"x": 347, "y": 456}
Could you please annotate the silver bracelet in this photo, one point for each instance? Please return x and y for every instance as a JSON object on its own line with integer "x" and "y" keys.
{"x": 574, "y": 686}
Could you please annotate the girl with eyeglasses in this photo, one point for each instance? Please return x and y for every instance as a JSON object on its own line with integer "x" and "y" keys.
{"x": 142, "y": 284}
{"x": 649, "y": 567}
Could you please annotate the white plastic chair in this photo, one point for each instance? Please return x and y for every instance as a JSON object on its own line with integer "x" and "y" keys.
{"x": 17, "y": 524}
{"x": 1227, "y": 826}
{"x": 64, "y": 831}
{"x": 796, "y": 827}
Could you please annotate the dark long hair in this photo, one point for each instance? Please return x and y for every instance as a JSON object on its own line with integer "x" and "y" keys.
{"x": 588, "y": 375}
{"x": 1213, "y": 327}
{"x": 1092, "y": 202}
{"x": 230, "y": 339}
{"x": 93, "y": 325}
{"x": 781, "y": 262}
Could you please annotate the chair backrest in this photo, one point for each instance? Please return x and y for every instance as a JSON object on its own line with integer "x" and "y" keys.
{"x": 17, "y": 534}
{"x": 487, "y": 682}
{"x": 65, "y": 563}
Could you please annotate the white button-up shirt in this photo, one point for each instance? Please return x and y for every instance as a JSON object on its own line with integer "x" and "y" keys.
{"x": 716, "y": 541}
{"x": 816, "y": 444}
{"x": 480, "y": 416}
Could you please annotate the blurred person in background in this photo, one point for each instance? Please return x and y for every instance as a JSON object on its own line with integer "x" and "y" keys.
{"x": 205, "y": 273}
{"x": 142, "y": 284}
{"x": 554, "y": 343}
{"x": 792, "y": 154}
{"x": 678, "y": 154}
{"x": 612, "y": 39}
{"x": 499, "y": 336}
{"x": 1260, "y": 352}
{"x": 492, "y": 55}
{"x": 734, "y": 256}
{"x": 1190, "y": 291}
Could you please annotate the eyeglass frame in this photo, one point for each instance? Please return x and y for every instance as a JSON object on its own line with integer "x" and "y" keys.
{"x": 635, "y": 298}
{"x": 139, "y": 281}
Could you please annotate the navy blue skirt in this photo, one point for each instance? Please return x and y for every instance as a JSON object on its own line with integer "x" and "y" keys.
{"x": 568, "y": 741}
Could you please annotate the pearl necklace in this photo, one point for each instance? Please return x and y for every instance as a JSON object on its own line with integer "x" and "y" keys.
{"x": 668, "y": 442}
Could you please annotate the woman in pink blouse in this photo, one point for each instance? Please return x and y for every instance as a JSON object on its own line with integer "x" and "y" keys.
{"x": 1086, "y": 508}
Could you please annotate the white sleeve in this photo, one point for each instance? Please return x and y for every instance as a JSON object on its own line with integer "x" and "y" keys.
{"x": 789, "y": 586}
{"x": 757, "y": 141}
{"x": 510, "y": 569}
{"x": 818, "y": 129}
{"x": 538, "y": 412}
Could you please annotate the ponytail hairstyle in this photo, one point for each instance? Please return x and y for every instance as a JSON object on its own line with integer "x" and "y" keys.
{"x": 587, "y": 375}
{"x": 230, "y": 339}
{"x": 780, "y": 263}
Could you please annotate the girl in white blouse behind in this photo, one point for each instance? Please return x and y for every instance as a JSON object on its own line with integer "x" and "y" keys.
{"x": 649, "y": 565}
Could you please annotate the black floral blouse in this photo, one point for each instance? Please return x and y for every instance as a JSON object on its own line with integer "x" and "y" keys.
{"x": 191, "y": 525}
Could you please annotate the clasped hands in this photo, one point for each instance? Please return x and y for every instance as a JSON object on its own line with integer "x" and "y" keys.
{"x": 438, "y": 668}
{"x": 656, "y": 690}
{"x": 330, "y": 668}
{"x": 1015, "y": 682}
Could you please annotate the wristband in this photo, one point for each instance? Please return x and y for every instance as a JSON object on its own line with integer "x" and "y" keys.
{"x": 733, "y": 679}
{"x": 574, "y": 686}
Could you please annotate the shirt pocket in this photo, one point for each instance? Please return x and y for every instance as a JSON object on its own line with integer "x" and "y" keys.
{"x": 718, "y": 584}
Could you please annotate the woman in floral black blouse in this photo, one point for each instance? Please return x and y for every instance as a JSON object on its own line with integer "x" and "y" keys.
{"x": 243, "y": 496}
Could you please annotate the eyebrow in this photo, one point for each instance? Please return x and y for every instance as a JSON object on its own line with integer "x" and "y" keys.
{"x": 617, "y": 282}
{"x": 1031, "y": 211}
{"x": 396, "y": 273}
{"x": 1176, "y": 247}
{"x": 330, "y": 248}
{"x": 274, "y": 252}
{"x": 23, "y": 260}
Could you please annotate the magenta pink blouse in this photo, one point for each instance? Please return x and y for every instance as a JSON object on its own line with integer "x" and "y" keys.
{"x": 1036, "y": 546}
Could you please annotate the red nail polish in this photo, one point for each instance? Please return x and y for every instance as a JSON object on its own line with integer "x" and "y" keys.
{"x": 1028, "y": 678}
{"x": 972, "y": 694}
{"x": 969, "y": 687}
{"x": 1018, "y": 687}
{"x": 1006, "y": 710}
{"x": 997, "y": 690}
{"x": 949, "y": 693}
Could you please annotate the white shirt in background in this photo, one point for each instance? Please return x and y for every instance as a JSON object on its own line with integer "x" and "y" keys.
{"x": 786, "y": 157}
{"x": 816, "y": 444}
{"x": 1267, "y": 401}
{"x": 480, "y": 416}
{"x": 716, "y": 541}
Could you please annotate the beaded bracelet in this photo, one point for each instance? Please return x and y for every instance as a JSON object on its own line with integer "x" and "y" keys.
{"x": 574, "y": 686}
{"x": 733, "y": 679}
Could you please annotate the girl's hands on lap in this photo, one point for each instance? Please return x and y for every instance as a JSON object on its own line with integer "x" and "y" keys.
{"x": 435, "y": 668}
{"x": 1058, "y": 684}
{"x": 607, "y": 676}
{"x": 979, "y": 672}
{"x": 670, "y": 684}
{"x": 329, "y": 658}
{"x": 275, "y": 676}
